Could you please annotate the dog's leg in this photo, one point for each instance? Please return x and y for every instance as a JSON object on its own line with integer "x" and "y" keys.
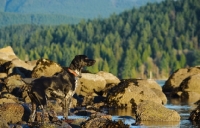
{"x": 32, "y": 116}
{"x": 43, "y": 113}
{"x": 65, "y": 108}
{"x": 67, "y": 100}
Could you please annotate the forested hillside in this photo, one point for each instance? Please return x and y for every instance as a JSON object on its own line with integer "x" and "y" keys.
{"x": 157, "y": 38}
{"x": 7, "y": 19}
{"x": 55, "y": 12}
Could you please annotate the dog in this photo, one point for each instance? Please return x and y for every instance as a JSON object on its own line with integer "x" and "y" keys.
{"x": 62, "y": 85}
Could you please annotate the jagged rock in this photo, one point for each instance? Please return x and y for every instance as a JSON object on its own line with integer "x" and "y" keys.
{"x": 178, "y": 76}
{"x": 11, "y": 112}
{"x": 90, "y": 82}
{"x": 110, "y": 78}
{"x": 128, "y": 94}
{"x": 151, "y": 111}
{"x": 45, "y": 67}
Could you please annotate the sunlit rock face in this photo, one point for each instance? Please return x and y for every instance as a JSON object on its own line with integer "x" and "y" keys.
{"x": 129, "y": 93}
{"x": 45, "y": 67}
{"x": 150, "y": 111}
{"x": 184, "y": 84}
{"x": 174, "y": 81}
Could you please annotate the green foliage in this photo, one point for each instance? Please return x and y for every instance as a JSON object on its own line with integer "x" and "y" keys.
{"x": 157, "y": 38}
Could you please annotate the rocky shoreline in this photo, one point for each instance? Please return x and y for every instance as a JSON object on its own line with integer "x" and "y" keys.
{"x": 95, "y": 91}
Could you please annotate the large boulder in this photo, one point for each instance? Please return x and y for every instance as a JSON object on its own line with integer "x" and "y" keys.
{"x": 89, "y": 83}
{"x": 160, "y": 94}
{"x": 45, "y": 67}
{"x": 191, "y": 84}
{"x": 128, "y": 94}
{"x": 151, "y": 111}
{"x": 12, "y": 112}
{"x": 110, "y": 78}
{"x": 11, "y": 64}
{"x": 178, "y": 76}
{"x": 150, "y": 83}
{"x": 190, "y": 97}
{"x": 189, "y": 89}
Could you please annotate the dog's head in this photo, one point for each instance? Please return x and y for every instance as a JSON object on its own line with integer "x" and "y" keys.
{"x": 81, "y": 61}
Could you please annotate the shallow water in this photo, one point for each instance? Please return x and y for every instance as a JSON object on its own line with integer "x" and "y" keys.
{"x": 183, "y": 108}
{"x": 127, "y": 115}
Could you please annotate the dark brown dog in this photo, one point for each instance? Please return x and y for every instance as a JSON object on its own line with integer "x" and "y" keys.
{"x": 62, "y": 85}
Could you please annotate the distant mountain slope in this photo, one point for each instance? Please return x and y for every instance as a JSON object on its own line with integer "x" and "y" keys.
{"x": 55, "y": 12}
{"x": 78, "y": 8}
{"x": 7, "y": 18}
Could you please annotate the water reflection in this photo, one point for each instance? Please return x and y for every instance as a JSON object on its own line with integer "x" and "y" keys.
{"x": 184, "y": 108}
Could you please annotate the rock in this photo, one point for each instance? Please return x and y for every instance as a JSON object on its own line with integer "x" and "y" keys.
{"x": 110, "y": 78}
{"x": 15, "y": 87}
{"x": 5, "y": 66}
{"x": 103, "y": 121}
{"x": 151, "y": 111}
{"x": 178, "y": 76}
{"x": 13, "y": 81}
{"x": 11, "y": 112}
{"x": 190, "y": 97}
{"x": 150, "y": 83}
{"x": 7, "y": 53}
{"x": 195, "y": 115}
{"x": 32, "y": 63}
{"x": 3, "y": 123}
{"x": 64, "y": 125}
{"x": 128, "y": 94}
{"x": 161, "y": 95}
{"x": 11, "y": 64}
{"x": 3, "y": 75}
{"x": 45, "y": 67}
{"x": 6, "y": 100}
{"x": 90, "y": 82}
{"x": 10, "y": 97}
{"x": 20, "y": 67}
{"x": 191, "y": 84}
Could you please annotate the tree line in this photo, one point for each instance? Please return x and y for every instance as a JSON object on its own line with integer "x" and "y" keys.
{"x": 157, "y": 38}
